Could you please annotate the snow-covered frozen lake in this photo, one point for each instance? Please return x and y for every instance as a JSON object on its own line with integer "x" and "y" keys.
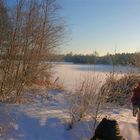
{"x": 70, "y": 74}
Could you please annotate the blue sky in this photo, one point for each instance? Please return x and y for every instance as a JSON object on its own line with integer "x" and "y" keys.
{"x": 102, "y": 25}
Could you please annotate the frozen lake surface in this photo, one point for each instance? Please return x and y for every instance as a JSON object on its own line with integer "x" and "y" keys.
{"x": 70, "y": 74}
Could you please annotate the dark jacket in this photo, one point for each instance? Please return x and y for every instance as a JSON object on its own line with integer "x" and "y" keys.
{"x": 135, "y": 99}
{"x": 108, "y": 130}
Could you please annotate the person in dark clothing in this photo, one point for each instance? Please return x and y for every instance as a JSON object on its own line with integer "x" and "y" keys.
{"x": 107, "y": 130}
{"x": 135, "y": 99}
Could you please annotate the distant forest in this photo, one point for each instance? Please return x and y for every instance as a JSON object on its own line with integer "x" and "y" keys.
{"x": 109, "y": 59}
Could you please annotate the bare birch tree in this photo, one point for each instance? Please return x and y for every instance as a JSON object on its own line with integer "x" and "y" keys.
{"x": 33, "y": 32}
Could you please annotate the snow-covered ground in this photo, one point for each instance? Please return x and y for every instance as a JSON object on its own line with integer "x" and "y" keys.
{"x": 47, "y": 120}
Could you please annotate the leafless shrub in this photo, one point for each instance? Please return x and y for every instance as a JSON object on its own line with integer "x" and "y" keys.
{"x": 85, "y": 99}
{"x": 92, "y": 98}
{"x": 31, "y": 34}
{"x": 119, "y": 90}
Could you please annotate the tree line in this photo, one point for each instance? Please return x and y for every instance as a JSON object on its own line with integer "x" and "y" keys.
{"x": 108, "y": 59}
